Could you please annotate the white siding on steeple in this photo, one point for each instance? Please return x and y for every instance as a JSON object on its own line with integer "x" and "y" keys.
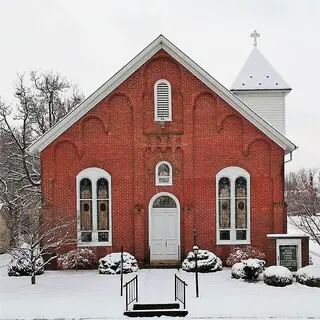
{"x": 269, "y": 105}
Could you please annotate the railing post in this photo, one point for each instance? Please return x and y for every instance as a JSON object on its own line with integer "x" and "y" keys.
{"x": 121, "y": 272}
{"x": 175, "y": 287}
{"x": 184, "y": 294}
{"x": 137, "y": 288}
{"x": 126, "y": 298}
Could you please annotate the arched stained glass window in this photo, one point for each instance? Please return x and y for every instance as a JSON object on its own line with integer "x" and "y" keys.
{"x": 164, "y": 202}
{"x": 94, "y": 207}
{"x": 241, "y": 202}
{"x": 233, "y": 206}
{"x": 224, "y": 206}
{"x": 102, "y": 209}
{"x": 86, "y": 208}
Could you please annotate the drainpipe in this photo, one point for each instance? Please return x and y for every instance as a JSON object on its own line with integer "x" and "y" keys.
{"x": 290, "y": 159}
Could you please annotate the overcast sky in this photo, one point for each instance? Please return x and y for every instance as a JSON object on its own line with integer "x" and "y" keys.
{"x": 88, "y": 41}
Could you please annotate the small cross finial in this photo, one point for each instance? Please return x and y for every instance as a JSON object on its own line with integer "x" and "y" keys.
{"x": 255, "y": 35}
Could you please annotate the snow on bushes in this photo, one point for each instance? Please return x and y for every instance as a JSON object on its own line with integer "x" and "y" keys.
{"x": 309, "y": 275}
{"x": 277, "y": 276}
{"x": 111, "y": 263}
{"x": 77, "y": 259}
{"x": 237, "y": 271}
{"x": 21, "y": 263}
{"x": 253, "y": 268}
{"x": 243, "y": 253}
{"x": 207, "y": 262}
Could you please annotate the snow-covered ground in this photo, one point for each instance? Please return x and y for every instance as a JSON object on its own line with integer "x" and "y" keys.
{"x": 314, "y": 248}
{"x": 87, "y": 294}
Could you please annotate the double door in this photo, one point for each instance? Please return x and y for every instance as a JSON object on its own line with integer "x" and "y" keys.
{"x": 164, "y": 237}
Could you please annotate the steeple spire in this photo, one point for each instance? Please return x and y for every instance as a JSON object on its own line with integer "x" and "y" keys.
{"x": 261, "y": 87}
{"x": 255, "y": 35}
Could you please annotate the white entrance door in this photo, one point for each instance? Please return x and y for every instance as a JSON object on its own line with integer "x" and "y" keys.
{"x": 164, "y": 228}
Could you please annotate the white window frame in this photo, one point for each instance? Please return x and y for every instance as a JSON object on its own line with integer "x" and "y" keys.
{"x": 156, "y": 118}
{"x": 158, "y": 182}
{"x": 94, "y": 174}
{"x": 232, "y": 173}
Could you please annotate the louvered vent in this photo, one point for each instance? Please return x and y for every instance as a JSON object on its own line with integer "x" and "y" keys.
{"x": 163, "y": 100}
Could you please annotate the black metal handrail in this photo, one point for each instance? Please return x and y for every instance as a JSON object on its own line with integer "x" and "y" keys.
{"x": 180, "y": 290}
{"x": 131, "y": 291}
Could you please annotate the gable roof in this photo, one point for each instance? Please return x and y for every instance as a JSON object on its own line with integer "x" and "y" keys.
{"x": 160, "y": 43}
{"x": 258, "y": 74}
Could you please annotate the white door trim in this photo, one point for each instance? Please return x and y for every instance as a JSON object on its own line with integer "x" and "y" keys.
{"x": 152, "y": 200}
{"x": 295, "y": 242}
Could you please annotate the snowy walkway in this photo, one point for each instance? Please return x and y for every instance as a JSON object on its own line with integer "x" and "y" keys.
{"x": 86, "y": 294}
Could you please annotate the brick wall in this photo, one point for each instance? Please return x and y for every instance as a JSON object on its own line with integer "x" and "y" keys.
{"x": 206, "y": 135}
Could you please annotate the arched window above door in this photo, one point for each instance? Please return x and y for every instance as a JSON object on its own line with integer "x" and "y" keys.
{"x": 164, "y": 202}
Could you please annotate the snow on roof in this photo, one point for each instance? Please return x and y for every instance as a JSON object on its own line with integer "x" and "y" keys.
{"x": 281, "y": 235}
{"x": 258, "y": 74}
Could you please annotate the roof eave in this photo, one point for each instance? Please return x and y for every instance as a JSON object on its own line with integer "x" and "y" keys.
{"x": 160, "y": 43}
{"x": 260, "y": 90}
{"x": 97, "y": 96}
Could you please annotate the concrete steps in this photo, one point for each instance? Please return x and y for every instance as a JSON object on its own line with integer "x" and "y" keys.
{"x": 156, "y": 310}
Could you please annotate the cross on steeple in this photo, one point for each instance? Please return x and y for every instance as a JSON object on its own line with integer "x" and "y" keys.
{"x": 255, "y": 35}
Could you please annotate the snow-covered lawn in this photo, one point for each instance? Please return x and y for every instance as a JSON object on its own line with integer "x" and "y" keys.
{"x": 87, "y": 294}
{"x": 314, "y": 248}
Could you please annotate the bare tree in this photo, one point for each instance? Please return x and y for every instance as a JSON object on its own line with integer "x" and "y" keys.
{"x": 39, "y": 238}
{"x": 43, "y": 99}
{"x": 303, "y": 201}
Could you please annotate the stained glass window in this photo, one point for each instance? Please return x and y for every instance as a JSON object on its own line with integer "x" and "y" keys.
{"x": 85, "y": 204}
{"x": 102, "y": 208}
{"x": 233, "y": 206}
{"x": 94, "y": 203}
{"x": 164, "y": 202}
{"x": 241, "y": 202}
{"x": 224, "y": 203}
{"x": 164, "y": 174}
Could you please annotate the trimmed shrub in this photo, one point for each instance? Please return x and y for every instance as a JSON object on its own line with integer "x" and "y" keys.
{"x": 277, "y": 276}
{"x": 252, "y": 268}
{"x": 206, "y": 260}
{"x": 78, "y": 259}
{"x": 111, "y": 263}
{"x": 309, "y": 276}
{"x": 243, "y": 253}
{"x": 237, "y": 271}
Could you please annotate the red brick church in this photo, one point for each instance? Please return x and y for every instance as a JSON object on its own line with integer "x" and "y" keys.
{"x": 163, "y": 155}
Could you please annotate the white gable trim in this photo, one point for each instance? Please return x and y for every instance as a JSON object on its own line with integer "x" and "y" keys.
{"x": 160, "y": 43}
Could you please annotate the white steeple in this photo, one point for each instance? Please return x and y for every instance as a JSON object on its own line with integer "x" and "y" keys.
{"x": 262, "y": 88}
